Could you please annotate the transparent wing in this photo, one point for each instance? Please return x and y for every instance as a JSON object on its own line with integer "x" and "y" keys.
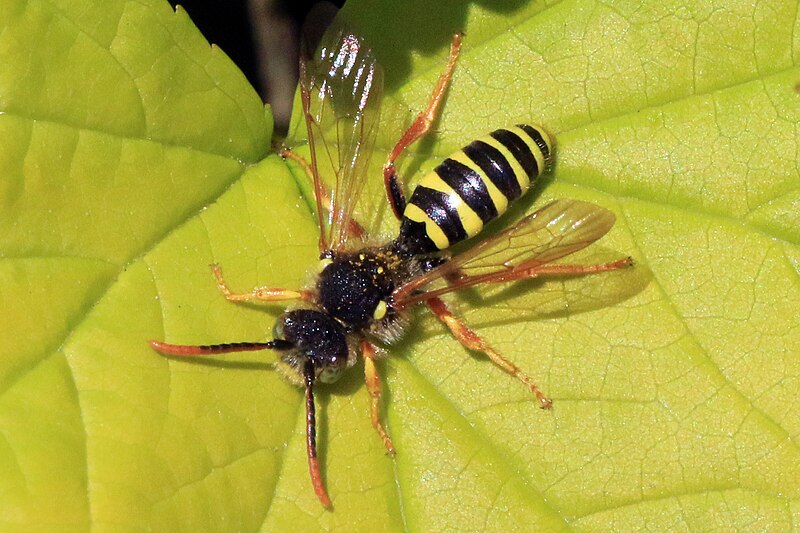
{"x": 558, "y": 229}
{"x": 341, "y": 85}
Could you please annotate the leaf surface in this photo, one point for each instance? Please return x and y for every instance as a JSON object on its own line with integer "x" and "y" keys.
{"x": 135, "y": 155}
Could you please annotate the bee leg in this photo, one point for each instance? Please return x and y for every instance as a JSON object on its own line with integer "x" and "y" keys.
{"x": 261, "y": 294}
{"x": 471, "y": 340}
{"x": 354, "y": 229}
{"x": 420, "y": 126}
{"x": 374, "y": 387}
{"x": 566, "y": 270}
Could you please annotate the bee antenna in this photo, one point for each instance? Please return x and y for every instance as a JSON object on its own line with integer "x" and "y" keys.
{"x": 309, "y": 375}
{"x": 213, "y": 349}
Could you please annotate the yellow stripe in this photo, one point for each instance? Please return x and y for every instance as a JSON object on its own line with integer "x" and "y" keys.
{"x": 434, "y": 232}
{"x": 519, "y": 172}
{"x": 469, "y": 219}
{"x": 535, "y": 150}
{"x": 498, "y": 198}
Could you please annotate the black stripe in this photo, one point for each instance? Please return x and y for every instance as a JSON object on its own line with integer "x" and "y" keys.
{"x": 495, "y": 166}
{"x": 435, "y": 205}
{"x": 520, "y": 151}
{"x": 536, "y": 135}
{"x": 469, "y": 185}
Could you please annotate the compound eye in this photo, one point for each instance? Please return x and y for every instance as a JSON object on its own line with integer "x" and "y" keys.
{"x": 277, "y": 328}
{"x": 331, "y": 373}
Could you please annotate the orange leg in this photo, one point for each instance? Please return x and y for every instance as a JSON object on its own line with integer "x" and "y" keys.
{"x": 458, "y": 280}
{"x": 471, "y": 340}
{"x": 354, "y": 229}
{"x": 420, "y": 126}
{"x": 374, "y": 387}
{"x": 566, "y": 270}
{"x": 261, "y": 294}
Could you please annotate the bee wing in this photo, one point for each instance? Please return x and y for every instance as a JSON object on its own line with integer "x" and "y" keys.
{"x": 558, "y": 229}
{"x": 340, "y": 85}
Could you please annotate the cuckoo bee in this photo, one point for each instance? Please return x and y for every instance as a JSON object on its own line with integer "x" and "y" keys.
{"x": 362, "y": 293}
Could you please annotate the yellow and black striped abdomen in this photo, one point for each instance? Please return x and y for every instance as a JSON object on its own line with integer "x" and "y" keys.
{"x": 473, "y": 186}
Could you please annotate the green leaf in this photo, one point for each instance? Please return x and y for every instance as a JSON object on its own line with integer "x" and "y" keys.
{"x": 135, "y": 155}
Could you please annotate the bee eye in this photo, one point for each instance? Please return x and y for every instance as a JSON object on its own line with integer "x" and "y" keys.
{"x": 277, "y": 329}
{"x": 330, "y": 374}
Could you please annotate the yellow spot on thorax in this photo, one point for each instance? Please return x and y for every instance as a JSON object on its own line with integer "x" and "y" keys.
{"x": 380, "y": 311}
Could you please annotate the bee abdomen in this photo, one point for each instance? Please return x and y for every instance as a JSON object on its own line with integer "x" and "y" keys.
{"x": 473, "y": 186}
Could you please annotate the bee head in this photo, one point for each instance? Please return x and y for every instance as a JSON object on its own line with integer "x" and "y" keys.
{"x": 310, "y": 336}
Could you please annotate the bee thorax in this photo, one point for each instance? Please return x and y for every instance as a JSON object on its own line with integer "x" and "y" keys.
{"x": 355, "y": 289}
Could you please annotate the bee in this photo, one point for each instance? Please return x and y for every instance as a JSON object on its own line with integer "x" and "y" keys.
{"x": 362, "y": 293}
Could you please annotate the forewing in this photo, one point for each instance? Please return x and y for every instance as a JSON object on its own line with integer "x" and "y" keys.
{"x": 558, "y": 229}
{"x": 341, "y": 86}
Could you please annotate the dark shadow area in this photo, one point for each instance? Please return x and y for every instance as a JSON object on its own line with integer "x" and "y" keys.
{"x": 262, "y": 37}
{"x": 228, "y": 25}
{"x": 399, "y": 29}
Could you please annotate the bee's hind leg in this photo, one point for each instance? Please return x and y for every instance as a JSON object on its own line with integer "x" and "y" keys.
{"x": 473, "y": 341}
{"x": 421, "y": 126}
